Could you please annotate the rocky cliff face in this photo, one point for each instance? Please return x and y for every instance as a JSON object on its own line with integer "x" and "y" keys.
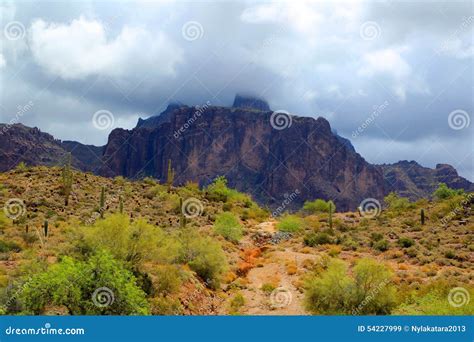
{"x": 242, "y": 145}
{"x": 19, "y": 143}
{"x": 410, "y": 179}
{"x": 303, "y": 161}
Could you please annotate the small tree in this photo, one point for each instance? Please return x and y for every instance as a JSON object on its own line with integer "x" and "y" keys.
{"x": 97, "y": 286}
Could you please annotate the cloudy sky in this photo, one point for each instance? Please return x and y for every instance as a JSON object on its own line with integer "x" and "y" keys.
{"x": 394, "y": 77}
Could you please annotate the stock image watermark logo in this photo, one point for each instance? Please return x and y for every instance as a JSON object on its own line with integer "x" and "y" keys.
{"x": 14, "y": 30}
{"x": 377, "y": 110}
{"x": 199, "y": 111}
{"x": 192, "y": 30}
{"x": 103, "y": 119}
{"x": 281, "y": 119}
{"x": 458, "y": 297}
{"x": 459, "y": 119}
{"x": 458, "y": 209}
{"x": 369, "y": 30}
{"x": 103, "y": 297}
{"x": 370, "y": 208}
{"x": 280, "y": 297}
{"x": 284, "y": 204}
{"x": 21, "y": 110}
{"x": 14, "y": 208}
{"x": 452, "y": 42}
{"x": 192, "y": 207}
{"x": 370, "y": 297}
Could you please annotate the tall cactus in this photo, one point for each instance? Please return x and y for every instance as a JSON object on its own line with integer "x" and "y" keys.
{"x": 121, "y": 204}
{"x": 170, "y": 176}
{"x": 182, "y": 218}
{"x": 422, "y": 216}
{"x": 45, "y": 228}
{"x": 330, "y": 214}
{"x": 67, "y": 179}
{"x": 102, "y": 202}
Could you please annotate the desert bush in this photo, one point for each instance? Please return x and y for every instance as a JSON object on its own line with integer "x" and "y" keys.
{"x": 130, "y": 242}
{"x": 9, "y": 246}
{"x": 218, "y": 191}
{"x": 314, "y": 239}
{"x": 397, "y": 203}
{"x": 76, "y": 284}
{"x": 167, "y": 279}
{"x": 161, "y": 305}
{"x": 318, "y": 206}
{"x": 406, "y": 242}
{"x": 434, "y": 299}
{"x": 444, "y": 192}
{"x": 290, "y": 223}
{"x": 236, "y": 304}
{"x": 382, "y": 245}
{"x": 368, "y": 291}
{"x": 227, "y": 224}
{"x": 204, "y": 256}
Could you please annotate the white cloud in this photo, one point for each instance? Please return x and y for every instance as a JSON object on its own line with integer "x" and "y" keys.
{"x": 386, "y": 61}
{"x": 82, "y": 49}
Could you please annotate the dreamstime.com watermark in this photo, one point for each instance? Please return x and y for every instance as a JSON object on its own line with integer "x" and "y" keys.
{"x": 284, "y": 204}
{"x": 370, "y": 297}
{"x": 21, "y": 110}
{"x": 46, "y": 330}
{"x": 199, "y": 110}
{"x": 377, "y": 110}
{"x": 459, "y": 208}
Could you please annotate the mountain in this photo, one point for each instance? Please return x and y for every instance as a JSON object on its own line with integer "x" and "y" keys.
{"x": 410, "y": 179}
{"x": 279, "y": 167}
{"x": 19, "y": 143}
{"x": 241, "y": 144}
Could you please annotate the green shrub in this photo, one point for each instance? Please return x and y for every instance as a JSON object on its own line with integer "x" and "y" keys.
{"x": 161, "y": 305}
{"x": 444, "y": 192}
{"x": 397, "y": 203}
{"x": 9, "y": 246}
{"x": 167, "y": 279}
{"x": 376, "y": 237}
{"x": 236, "y": 303}
{"x": 406, "y": 242}
{"x": 381, "y": 245}
{"x": 130, "y": 242}
{"x": 80, "y": 285}
{"x": 314, "y": 239}
{"x": 227, "y": 224}
{"x": 218, "y": 191}
{"x": 204, "y": 256}
{"x": 368, "y": 291}
{"x": 434, "y": 299}
{"x": 290, "y": 223}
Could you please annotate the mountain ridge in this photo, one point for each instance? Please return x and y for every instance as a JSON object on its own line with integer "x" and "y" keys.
{"x": 240, "y": 143}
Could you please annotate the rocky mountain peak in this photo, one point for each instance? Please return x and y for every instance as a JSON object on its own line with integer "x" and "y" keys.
{"x": 250, "y": 102}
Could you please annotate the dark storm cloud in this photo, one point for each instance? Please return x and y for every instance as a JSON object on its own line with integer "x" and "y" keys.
{"x": 340, "y": 60}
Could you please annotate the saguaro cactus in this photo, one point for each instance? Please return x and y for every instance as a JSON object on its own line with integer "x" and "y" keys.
{"x": 67, "y": 179}
{"x": 170, "y": 176}
{"x": 121, "y": 205}
{"x": 102, "y": 202}
{"x": 182, "y": 217}
{"x": 422, "y": 216}
{"x": 330, "y": 214}
{"x": 45, "y": 228}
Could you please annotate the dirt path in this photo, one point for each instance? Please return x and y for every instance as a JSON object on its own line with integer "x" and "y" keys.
{"x": 277, "y": 270}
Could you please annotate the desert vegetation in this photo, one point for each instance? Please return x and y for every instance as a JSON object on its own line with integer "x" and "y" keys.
{"x": 73, "y": 243}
